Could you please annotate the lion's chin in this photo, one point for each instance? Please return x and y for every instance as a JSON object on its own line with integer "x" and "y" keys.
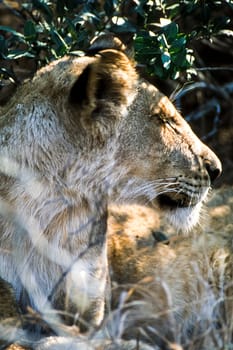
{"x": 181, "y": 209}
{"x": 184, "y": 219}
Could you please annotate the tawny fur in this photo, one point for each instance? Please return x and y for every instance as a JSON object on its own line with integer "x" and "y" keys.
{"x": 180, "y": 292}
{"x": 183, "y": 290}
{"x": 84, "y": 133}
{"x": 183, "y": 286}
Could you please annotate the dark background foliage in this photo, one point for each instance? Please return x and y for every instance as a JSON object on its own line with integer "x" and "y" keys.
{"x": 185, "y": 47}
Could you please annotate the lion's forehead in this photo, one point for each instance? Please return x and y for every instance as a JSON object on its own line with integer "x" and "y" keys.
{"x": 156, "y": 101}
{"x": 167, "y": 106}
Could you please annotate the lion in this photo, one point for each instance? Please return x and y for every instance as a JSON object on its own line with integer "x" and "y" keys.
{"x": 86, "y": 132}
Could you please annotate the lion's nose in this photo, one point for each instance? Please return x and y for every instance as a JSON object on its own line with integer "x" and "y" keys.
{"x": 214, "y": 168}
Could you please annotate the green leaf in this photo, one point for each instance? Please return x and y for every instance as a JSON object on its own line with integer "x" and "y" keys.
{"x": 3, "y": 47}
{"x": 180, "y": 60}
{"x": 30, "y": 31}
{"x": 126, "y": 27}
{"x": 78, "y": 53}
{"x": 13, "y": 32}
{"x": 171, "y": 31}
{"x": 61, "y": 47}
{"x": 15, "y": 54}
{"x": 159, "y": 71}
{"x": 166, "y": 60}
{"x": 179, "y": 43}
{"x": 43, "y": 6}
{"x": 163, "y": 41}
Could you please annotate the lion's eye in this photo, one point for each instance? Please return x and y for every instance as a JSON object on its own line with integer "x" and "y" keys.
{"x": 164, "y": 119}
{"x": 168, "y": 122}
{"x": 161, "y": 117}
{"x": 158, "y": 116}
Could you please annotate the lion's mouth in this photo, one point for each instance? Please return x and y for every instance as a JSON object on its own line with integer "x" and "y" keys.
{"x": 172, "y": 200}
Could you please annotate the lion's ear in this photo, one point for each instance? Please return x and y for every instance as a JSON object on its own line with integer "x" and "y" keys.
{"x": 111, "y": 41}
{"x": 111, "y": 78}
{"x": 106, "y": 41}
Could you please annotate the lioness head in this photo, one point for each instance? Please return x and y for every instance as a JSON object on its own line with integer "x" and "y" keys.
{"x": 169, "y": 165}
{"x": 156, "y": 157}
{"x": 128, "y": 139}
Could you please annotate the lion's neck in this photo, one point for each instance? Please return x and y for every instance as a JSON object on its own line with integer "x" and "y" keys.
{"x": 59, "y": 213}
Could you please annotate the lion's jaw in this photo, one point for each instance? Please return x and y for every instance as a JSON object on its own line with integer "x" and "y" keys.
{"x": 181, "y": 207}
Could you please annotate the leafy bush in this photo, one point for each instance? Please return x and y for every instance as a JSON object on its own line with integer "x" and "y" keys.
{"x": 52, "y": 29}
